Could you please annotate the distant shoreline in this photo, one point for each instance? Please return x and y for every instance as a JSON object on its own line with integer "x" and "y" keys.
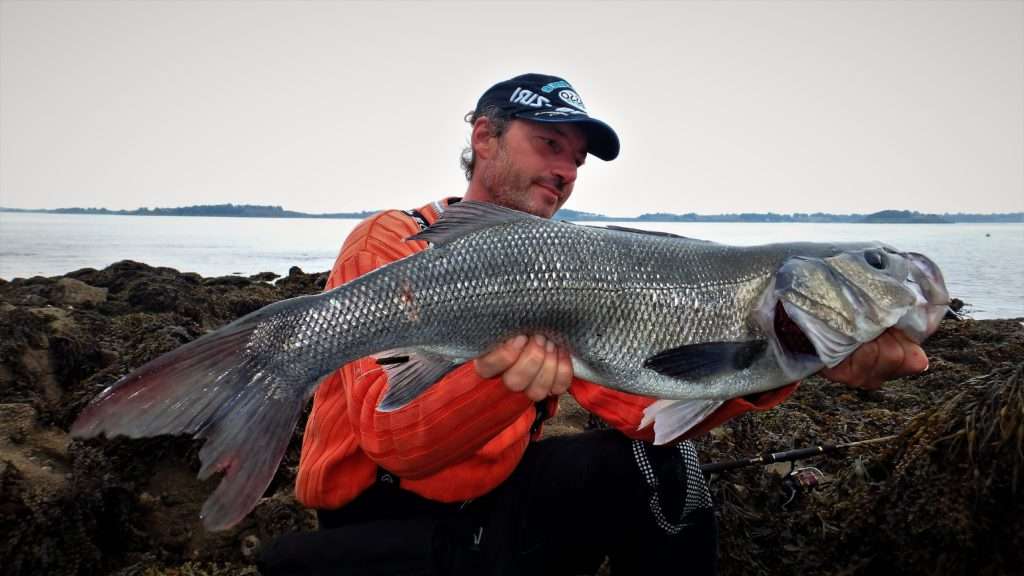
{"x": 256, "y": 211}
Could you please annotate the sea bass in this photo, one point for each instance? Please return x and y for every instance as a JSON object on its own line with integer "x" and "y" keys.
{"x": 690, "y": 322}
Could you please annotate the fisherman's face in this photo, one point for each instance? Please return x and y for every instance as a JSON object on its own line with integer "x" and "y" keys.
{"x": 534, "y": 166}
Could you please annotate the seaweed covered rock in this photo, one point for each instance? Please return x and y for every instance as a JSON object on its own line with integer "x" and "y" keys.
{"x": 896, "y": 506}
{"x": 954, "y": 500}
{"x": 102, "y": 506}
{"x": 131, "y": 507}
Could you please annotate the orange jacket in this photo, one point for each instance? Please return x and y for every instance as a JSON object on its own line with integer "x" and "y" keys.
{"x": 459, "y": 439}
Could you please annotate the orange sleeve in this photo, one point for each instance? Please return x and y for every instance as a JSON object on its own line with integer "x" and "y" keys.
{"x": 625, "y": 411}
{"x": 460, "y": 416}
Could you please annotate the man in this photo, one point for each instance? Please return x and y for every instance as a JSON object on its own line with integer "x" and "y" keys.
{"x": 457, "y": 481}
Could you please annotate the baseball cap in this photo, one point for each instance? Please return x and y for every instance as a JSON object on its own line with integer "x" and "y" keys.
{"x": 543, "y": 98}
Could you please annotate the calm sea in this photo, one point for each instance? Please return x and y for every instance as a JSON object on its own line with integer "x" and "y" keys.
{"x": 983, "y": 263}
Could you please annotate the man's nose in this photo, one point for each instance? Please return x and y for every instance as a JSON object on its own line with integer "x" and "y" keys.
{"x": 565, "y": 171}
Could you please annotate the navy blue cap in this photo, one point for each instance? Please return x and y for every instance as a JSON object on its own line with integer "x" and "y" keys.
{"x": 543, "y": 98}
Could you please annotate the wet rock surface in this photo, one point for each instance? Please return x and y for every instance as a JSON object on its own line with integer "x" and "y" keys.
{"x": 117, "y": 506}
{"x": 946, "y": 497}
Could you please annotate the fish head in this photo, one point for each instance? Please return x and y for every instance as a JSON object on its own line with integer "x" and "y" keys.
{"x": 838, "y": 302}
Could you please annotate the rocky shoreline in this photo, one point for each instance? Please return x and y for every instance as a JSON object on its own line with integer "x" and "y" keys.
{"x": 946, "y": 497}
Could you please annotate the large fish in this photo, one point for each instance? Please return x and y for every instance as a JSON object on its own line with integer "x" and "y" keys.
{"x": 690, "y": 322}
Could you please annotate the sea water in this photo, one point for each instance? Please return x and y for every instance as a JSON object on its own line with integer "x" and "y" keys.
{"x": 983, "y": 263}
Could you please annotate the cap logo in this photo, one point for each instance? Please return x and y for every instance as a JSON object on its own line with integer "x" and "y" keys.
{"x": 572, "y": 99}
{"x": 527, "y": 98}
{"x": 549, "y": 88}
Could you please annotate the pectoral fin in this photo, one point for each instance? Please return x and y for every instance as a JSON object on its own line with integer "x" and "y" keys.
{"x": 410, "y": 373}
{"x": 696, "y": 361}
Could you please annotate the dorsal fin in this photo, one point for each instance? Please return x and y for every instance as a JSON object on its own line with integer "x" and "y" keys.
{"x": 639, "y": 231}
{"x": 651, "y": 233}
{"x": 467, "y": 217}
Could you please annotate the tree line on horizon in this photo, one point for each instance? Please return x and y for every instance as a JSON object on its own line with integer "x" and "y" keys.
{"x": 260, "y": 211}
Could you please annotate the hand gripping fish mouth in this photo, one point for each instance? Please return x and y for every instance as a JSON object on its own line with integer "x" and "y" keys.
{"x": 822, "y": 309}
{"x": 690, "y": 322}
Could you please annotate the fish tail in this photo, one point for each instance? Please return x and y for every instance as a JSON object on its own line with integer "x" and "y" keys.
{"x": 247, "y": 442}
{"x": 216, "y": 389}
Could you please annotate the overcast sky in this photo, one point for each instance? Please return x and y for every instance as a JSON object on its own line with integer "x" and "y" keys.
{"x": 325, "y": 107}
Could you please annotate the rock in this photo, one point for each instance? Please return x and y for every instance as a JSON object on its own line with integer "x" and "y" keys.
{"x": 16, "y": 421}
{"x": 148, "y": 501}
{"x": 71, "y": 292}
{"x": 954, "y": 312}
{"x": 33, "y": 300}
{"x": 38, "y": 453}
{"x": 152, "y": 296}
{"x": 177, "y": 332}
{"x": 234, "y": 281}
{"x": 250, "y": 546}
{"x": 79, "y": 507}
{"x": 298, "y": 282}
{"x": 264, "y": 277}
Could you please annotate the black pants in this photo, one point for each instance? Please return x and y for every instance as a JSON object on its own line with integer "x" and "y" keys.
{"x": 570, "y": 502}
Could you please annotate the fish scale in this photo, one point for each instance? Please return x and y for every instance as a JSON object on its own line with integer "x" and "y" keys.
{"x": 686, "y": 321}
{"x": 500, "y": 296}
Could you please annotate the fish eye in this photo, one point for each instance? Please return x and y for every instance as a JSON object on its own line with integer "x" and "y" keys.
{"x": 876, "y": 259}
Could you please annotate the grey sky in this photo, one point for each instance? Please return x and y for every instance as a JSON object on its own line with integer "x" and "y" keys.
{"x": 324, "y": 107}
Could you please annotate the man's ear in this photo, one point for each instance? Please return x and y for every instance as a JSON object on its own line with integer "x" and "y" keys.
{"x": 482, "y": 138}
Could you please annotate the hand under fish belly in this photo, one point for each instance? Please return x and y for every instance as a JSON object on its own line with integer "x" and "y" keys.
{"x": 690, "y": 322}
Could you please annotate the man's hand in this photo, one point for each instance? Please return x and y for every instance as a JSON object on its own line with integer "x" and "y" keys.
{"x": 889, "y": 356}
{"x": 533, "y": 365}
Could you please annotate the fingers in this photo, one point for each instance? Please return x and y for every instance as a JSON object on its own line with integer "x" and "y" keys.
{"x": 534, "y": 366}
{"x": 521, "y": 374}
{"x": 915, "y": 360}
{"x": 889, "y": 356}
{"x": 544, "y": 379}
{"x": 501, "y": 358}
{"x": 563, "y": 376}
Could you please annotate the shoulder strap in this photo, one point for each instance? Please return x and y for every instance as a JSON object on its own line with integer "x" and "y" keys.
{"x": 417, "y": 217}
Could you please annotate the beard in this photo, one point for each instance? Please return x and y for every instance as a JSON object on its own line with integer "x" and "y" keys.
{"x": 510, "y": 187}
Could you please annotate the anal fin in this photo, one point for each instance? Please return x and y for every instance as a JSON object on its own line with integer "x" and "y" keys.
{"x": 673, "y": 418}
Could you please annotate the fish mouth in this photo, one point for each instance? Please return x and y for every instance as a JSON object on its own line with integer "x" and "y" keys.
{"x": 790, "y": 336}
{"x": 929, "y": 286}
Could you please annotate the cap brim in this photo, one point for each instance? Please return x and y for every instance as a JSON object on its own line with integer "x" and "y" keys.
{"x": 602, "y": 141}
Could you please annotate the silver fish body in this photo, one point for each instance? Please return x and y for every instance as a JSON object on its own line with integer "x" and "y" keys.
{"x": 687, "y": 321}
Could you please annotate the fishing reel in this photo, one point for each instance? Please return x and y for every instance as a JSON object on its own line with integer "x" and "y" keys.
{"x": 799, "y": 481}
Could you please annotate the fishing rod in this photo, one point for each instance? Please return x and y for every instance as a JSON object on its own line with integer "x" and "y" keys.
{"x": 787, "y": 455}
{"x": 797, "y": 480}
